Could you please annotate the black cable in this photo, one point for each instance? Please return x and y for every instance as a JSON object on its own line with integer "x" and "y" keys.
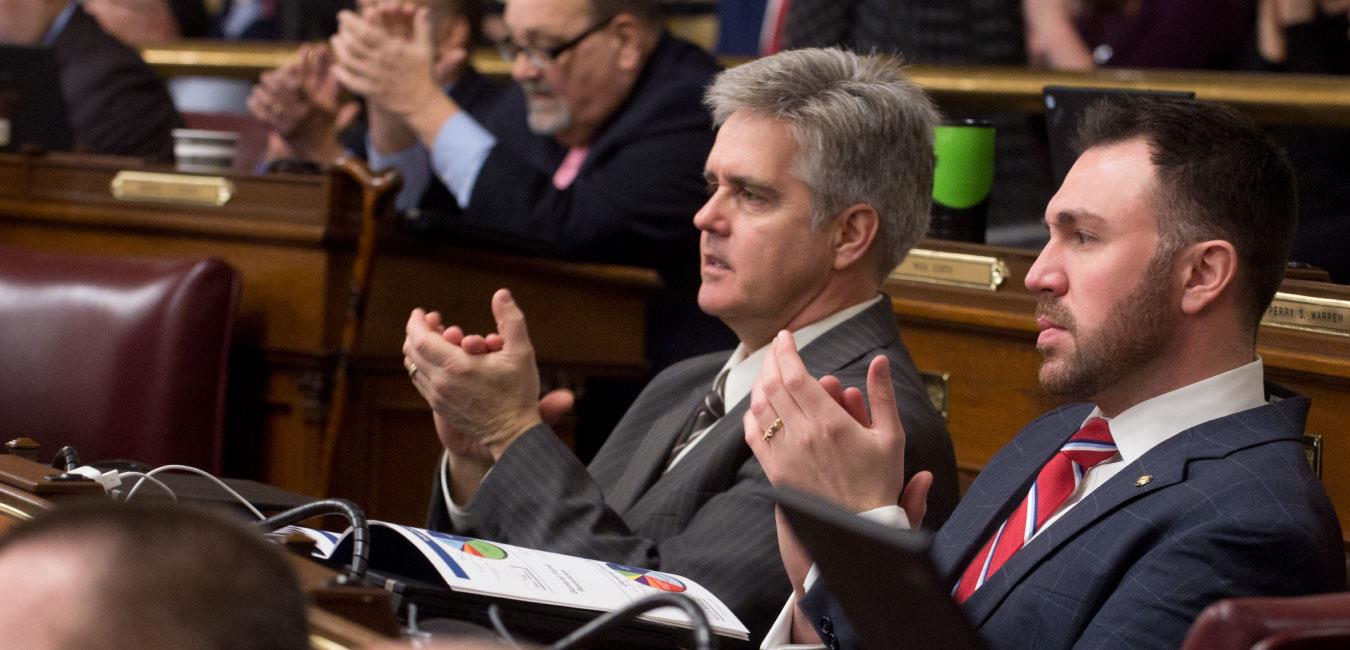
{"x": 360, "y": 529}
{"x": 494, "y": 613}
{"x": 701, "y": 632}
{"x": 66, "y": 459}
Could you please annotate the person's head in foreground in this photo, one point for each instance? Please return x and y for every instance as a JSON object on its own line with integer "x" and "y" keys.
{"x": 109, "y": 574}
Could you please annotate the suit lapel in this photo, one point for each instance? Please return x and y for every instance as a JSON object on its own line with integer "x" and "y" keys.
{"x": 646, "y": 477}
{"x": 649, "y": 461}
{"x": 1164, "y": 465}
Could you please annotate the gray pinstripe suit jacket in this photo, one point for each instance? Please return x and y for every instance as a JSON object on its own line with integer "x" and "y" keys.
{"x": 710, "y": 518}
{"x": 1231, "y": 509}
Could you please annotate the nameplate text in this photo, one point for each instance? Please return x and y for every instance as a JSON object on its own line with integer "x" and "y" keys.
{"x": 180, "y": 189}
{"x": 952, "y": 269}
{"x": 1309, "y": 313}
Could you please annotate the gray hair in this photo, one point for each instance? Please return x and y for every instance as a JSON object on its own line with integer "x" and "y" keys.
{"x": 865, "y": 132}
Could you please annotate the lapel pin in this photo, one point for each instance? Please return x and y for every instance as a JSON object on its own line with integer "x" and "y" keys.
{"x": 1143, "y": 480}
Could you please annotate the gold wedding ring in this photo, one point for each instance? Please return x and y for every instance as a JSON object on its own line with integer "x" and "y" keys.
{"x": 773, "y": 429}
{"x": 412, "y": 370}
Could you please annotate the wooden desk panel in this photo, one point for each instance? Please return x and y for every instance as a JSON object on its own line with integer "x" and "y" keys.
{"x": 291, "y": 237}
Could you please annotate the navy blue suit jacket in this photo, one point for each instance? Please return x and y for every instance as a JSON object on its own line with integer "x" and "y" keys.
{"x": 1231, "y": 508}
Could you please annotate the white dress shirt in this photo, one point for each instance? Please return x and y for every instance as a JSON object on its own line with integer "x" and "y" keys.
{"x": 1135, "y": 431}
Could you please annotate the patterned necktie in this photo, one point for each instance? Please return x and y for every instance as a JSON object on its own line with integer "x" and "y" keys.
{"x": 1056, "y": 481}
{"x": 710, "y": 410}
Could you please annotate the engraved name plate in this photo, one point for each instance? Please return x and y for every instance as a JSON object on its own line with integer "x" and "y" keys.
{"x": 1309, "y": 313}
{"x": 952, "y": 269}
{"x": 182, "y": 189}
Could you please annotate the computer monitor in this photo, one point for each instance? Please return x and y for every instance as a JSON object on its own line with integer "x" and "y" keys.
{"x": 1064, "y": 106}
{"x": 33, "y": 114}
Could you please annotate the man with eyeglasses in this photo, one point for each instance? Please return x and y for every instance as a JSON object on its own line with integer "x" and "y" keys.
{"x": 596, "y": 155}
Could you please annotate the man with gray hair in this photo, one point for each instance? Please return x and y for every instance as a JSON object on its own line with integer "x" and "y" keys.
{"x": 818, "y": 185}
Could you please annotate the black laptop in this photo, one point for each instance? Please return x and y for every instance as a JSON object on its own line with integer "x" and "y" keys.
{"x": 33, "y": 114}
{"x": 881, "y": 576}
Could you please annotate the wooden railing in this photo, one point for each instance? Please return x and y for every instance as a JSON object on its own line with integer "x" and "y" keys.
{"x": 1270, "y": 98}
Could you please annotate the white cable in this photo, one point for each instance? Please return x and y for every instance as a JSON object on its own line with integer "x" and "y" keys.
{"x": 146, "y": 477}
{"x": 184, "y": 468}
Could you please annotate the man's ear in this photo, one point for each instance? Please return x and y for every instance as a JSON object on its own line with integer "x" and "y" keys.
{"x": 852, "y": 233}
{"x": 1207, "y": 269}
{"x": 631, "y": 35}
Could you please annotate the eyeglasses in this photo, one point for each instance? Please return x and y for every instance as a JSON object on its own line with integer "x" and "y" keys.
{"x": 544, "y": 57}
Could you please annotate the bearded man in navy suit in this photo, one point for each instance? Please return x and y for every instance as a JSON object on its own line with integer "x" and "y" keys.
{"x": 1168, "y": 240}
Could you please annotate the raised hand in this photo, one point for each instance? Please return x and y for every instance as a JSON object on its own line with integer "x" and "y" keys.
{"x": 486, "y": 398}
{"x": 828, "y": 443}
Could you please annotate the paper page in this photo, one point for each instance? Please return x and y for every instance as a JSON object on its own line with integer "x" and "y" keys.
{"x": 481, "y": 567}
{"x": 324, "y": 542}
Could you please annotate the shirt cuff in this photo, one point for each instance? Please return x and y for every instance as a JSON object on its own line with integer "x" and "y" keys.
{"x": 462, "y": 146}
{"x": 413, "y": 163}
{"x": 780, "y": 635}
{"x": 459, "y": 517}
{"x": 893, "y": 516}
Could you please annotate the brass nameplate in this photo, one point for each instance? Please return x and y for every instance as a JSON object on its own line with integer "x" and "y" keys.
{"x": 1309, "y": 313}
{"x": 183, "y": 189}
{"x": 952, "y": 269}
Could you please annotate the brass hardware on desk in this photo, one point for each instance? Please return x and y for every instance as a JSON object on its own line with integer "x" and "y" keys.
{"x": 1309, "y": 314}
{"x": 936, "y": 383}
{"x": 1312, "y": 446}
{"x": 182, "y": 189}
{"x": 23, "y": 448}
{"x": 952, "y": 269}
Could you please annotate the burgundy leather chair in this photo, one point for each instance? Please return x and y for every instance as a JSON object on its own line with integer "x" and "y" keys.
{"x": 123, "y": 358}
{"x": 1302, "y": 623}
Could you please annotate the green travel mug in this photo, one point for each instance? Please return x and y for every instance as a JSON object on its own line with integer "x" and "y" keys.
{"x": 963, "y": 174}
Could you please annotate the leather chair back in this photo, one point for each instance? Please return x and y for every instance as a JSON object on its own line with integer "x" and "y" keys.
{"x": 1302, "y": 622}
{"x": 123, "y": 358}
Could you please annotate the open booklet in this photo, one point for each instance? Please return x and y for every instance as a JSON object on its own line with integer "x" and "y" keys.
{"x": 477, "y": 566}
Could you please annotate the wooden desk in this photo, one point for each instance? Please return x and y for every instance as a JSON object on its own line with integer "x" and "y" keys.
{"x": 984, "y": 342}
{"x": 291, "y": 237}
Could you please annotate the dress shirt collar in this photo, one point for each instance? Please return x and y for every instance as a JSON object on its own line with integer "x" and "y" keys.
{"x": 59, "y": 25}
{"x": 1147, "y": 424}
{"x": 745, "y": 365}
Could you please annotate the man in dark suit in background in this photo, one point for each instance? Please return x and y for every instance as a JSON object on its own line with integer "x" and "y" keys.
{"x": 819, "y": 183}
{"x": 595, "y": 155}
{"x": 117, "y": 104}
{"x": 1183, "y": 481}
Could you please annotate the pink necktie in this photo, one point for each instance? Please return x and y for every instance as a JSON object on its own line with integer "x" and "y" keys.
{"x": 571, "y": 165}
{"x": 1056, "y": 481}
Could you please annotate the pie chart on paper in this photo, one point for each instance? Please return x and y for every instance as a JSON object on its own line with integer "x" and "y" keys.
{"x": 475, "y": 547}
{"x": 653, "y": 579}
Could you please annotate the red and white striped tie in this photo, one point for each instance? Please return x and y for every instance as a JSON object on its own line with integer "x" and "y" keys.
{"x": 1056, "y": 481}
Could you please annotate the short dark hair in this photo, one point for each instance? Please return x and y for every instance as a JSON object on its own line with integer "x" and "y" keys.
{"x": 1219, "y": 177}
{"x": 644, "y": 10}
{"x": 175, "y": 577}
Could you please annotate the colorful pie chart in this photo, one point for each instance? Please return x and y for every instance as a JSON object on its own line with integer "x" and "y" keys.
{"x": 653, "y": 579}
{"x": 474, "y": 547}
